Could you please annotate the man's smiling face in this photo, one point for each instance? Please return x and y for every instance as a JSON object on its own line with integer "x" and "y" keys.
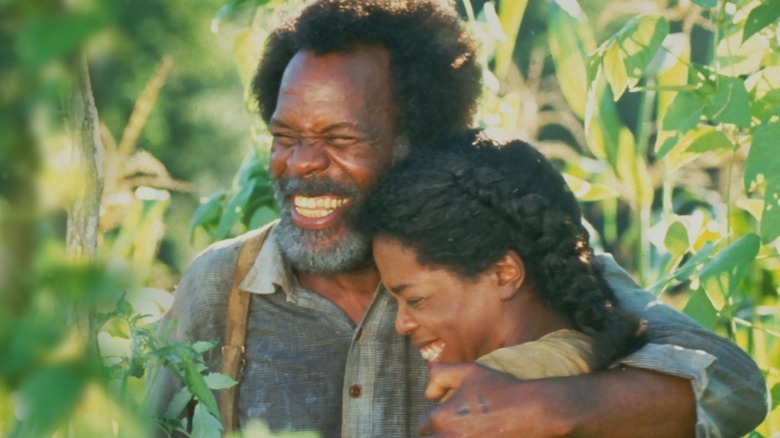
{"x": 334, "y": 131}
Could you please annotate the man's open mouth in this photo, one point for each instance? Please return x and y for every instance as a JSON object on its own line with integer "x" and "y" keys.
{"x": 314, "y": 207}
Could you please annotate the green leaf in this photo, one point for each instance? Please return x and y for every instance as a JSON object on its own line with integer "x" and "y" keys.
{"x": 709, "y": 139}
{"x": 695, "y": 142}
{"x": 208, "y": 213}
{"x": 766, "y": 105}
{"x": 722, "y": 274}
{"x": 775, "y": 396}
{"x": 205, "y": 424}
{"x": 203, "y": 346}
{"x": 701, "y": 309}
{"x": 632, "y": 172}
{"x": 770, "y": 218}
{"x": 690, "y": 265}
{"x": 762, "y": 171}
{"x": 684, "y": 272}
{"x": 736, "y": 58}
{"x": 706, "y": 3}
{"x": 178, "y": 403}
{"x": 763, "y": 161}
{"x": 603, "y": 128}
{"x": 683, "y": 114}
{"x": 639, "y": 41}
{"x": 48, "y": 398}
{"x": 676, "y": 239}
{"x": 510, "y": 14}
{"x": 48, "y": 38}
{"x": 228, "y": 8}
{"x": 586, "y": 191}
{"x": 615, "y": 71}
{"x": 760, "y": 17}
{"x": 730, "y": 102}
{"x": 219, "y": 381}
{"x": 262, "y": 216}
{"x": 253, "y": 168}
{"x": 197, "y": 385}
{"x": 234, "y": 210}
{"x": 571, "y": 40}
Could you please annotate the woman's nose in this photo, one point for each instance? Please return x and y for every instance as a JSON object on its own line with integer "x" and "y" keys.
{"x": 404, "y": 324}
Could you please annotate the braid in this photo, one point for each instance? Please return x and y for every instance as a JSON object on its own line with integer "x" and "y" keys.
{"x": 464, "y": 206}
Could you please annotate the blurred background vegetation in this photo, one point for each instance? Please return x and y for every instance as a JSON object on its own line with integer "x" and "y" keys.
{"x": 128, "y": 143}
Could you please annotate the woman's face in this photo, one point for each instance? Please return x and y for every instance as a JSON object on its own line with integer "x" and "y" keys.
{"x": 449, "y": 318}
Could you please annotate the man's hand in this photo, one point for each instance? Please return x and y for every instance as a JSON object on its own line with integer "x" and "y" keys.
{"x": 617, "y": 403}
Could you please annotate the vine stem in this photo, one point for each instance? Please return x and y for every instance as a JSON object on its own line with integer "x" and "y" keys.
{"x": 647, "y": 100}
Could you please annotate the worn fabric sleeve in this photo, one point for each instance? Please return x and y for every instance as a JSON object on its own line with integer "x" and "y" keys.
{"x": 559, "y": 354}
{"x": 731, "y": 394}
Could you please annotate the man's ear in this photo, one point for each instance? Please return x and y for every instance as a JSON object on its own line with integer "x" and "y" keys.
{"x": 510, "y": 273}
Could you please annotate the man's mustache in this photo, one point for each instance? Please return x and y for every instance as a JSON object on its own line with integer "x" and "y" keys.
{"x": 287, "y": 187}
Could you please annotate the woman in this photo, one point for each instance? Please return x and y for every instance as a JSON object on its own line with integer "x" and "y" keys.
{"x": 482, "y": 245}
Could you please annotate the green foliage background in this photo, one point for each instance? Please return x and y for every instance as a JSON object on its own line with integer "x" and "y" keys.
{"x": 663, "y": 115}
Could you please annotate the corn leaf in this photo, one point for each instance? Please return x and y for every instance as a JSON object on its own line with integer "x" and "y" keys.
{"x": 603, "y": 127}
{"x": 510, "y": 14}
{"x": 571, "y": 40}
{"x": 638, "y": 42}
{"x": 615, "y": 71}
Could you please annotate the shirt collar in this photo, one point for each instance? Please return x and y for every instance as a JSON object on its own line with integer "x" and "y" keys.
{"x": 269, "y": 270}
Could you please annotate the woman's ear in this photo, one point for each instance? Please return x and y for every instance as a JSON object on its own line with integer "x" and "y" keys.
{"x": 510, "y": 273}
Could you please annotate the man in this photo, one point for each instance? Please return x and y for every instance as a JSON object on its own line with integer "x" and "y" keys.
{"x": 344, "y": 88}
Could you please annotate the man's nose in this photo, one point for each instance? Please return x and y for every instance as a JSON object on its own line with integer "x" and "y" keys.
{"x": 308, "y": 157}
{"x": 404, "y": 324}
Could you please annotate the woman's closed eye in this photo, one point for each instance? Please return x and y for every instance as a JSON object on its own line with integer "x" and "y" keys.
{"x": 414, "y": 301}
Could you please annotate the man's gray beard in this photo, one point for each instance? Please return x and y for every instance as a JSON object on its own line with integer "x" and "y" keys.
{"x": 313, "y": 250}
{"x": 309, "y": 250}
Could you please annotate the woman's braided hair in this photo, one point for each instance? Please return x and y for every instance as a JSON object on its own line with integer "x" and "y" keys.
{"x": 464, "y": 202}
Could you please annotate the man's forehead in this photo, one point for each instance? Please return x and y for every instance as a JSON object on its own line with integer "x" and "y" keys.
{"x": 356, "y": 82}
{"x": 361, "y": 64}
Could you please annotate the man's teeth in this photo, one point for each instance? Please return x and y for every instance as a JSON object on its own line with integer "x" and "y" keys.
{"x": 431, "y": 352}
{"x": 316, "y": 207}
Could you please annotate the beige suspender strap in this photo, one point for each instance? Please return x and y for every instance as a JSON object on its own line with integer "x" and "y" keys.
{"x": 235, "y": 330}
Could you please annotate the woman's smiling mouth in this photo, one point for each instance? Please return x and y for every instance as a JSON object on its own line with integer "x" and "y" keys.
{"x": 432, "y": 350}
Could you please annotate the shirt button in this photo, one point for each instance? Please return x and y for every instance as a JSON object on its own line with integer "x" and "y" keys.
{"x": 355, "y": 391}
